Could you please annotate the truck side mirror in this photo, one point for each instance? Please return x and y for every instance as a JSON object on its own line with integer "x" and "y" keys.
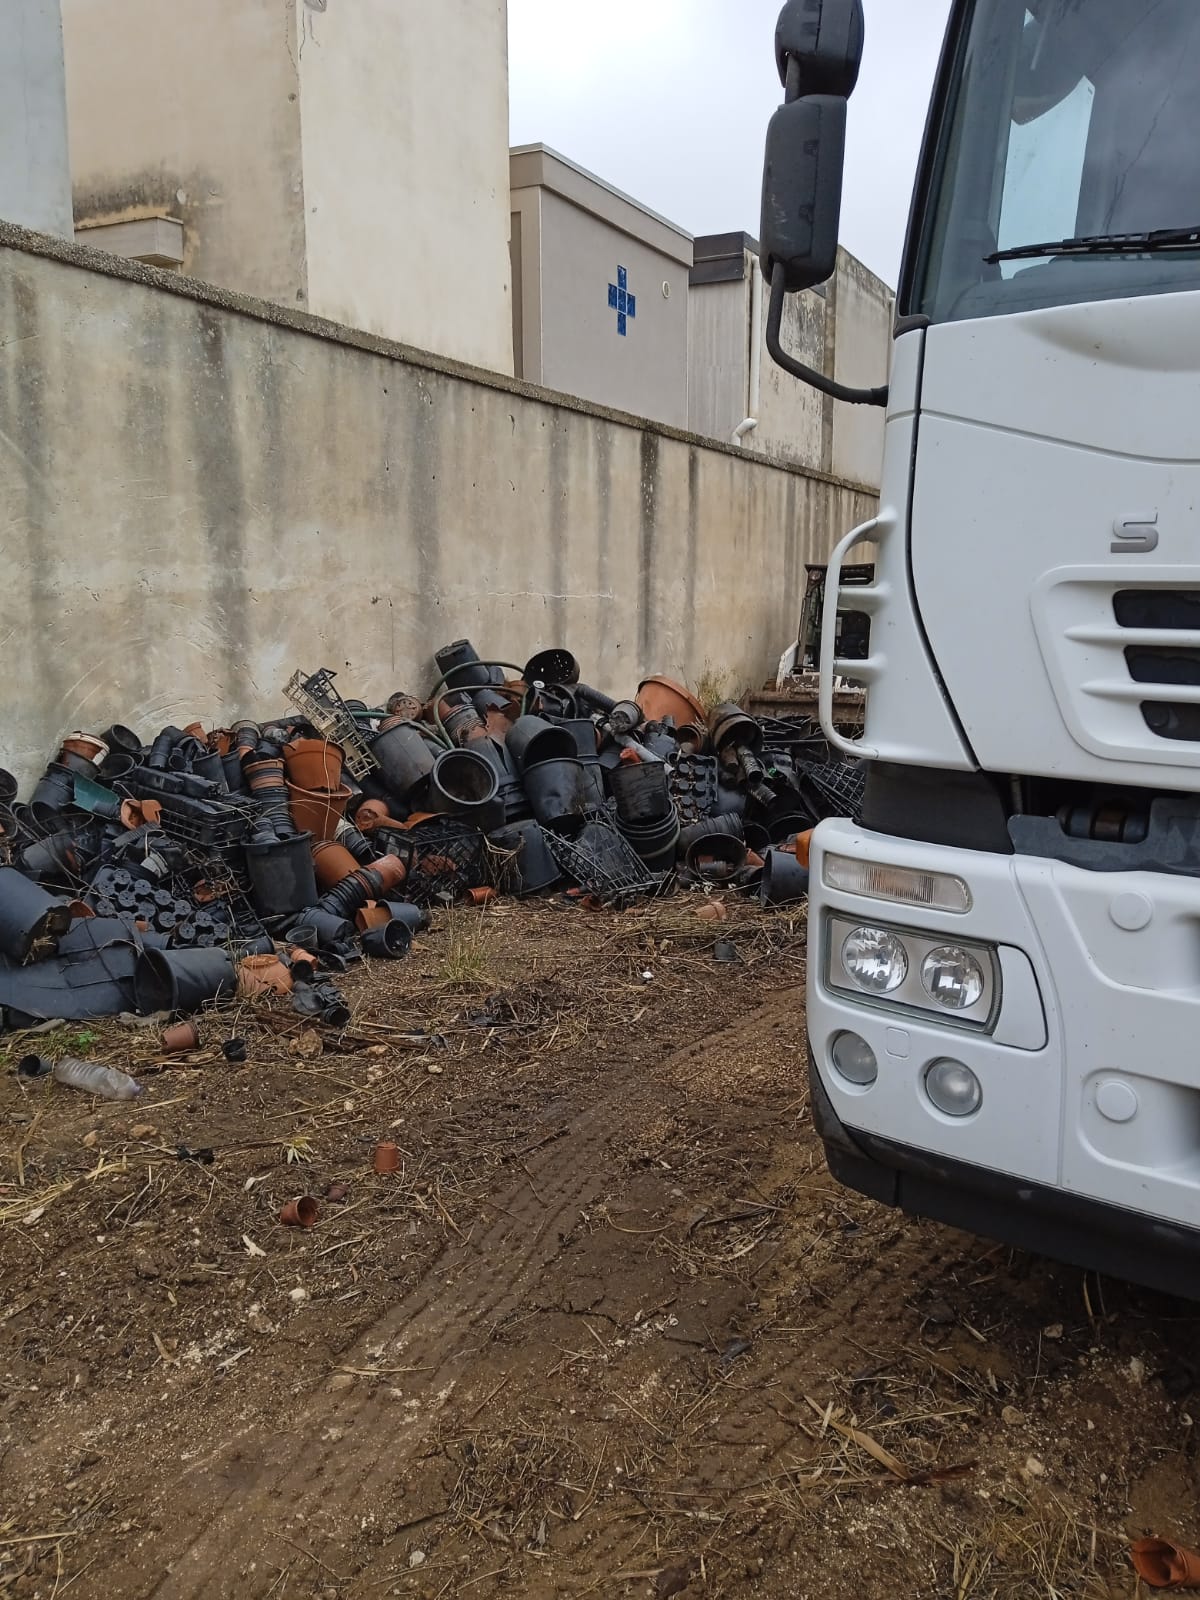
{"x": 819, "y": 49}
{"x": 802, "y": 190}
{"x": 822, "y": 42}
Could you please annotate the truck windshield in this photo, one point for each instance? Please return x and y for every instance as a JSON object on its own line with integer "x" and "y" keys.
{"x": 1064, "y": 119}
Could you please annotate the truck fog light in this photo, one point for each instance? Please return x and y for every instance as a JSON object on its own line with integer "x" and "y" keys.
{"x": 953, "y": 977}
{"x": 874, "y": 960}
{"x": 953, "y": 1089}
{"x": 855, "y": 1060}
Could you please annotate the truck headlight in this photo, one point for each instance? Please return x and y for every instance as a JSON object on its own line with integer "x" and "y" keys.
{"x": 905, "y": 969}
{"x": 874, "y": 960}
{"x": 953, "y": 977}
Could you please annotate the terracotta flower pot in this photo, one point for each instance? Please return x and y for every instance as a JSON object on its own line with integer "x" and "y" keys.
{"x": 333, "y": 864}
{"x": 387, "y": 1158}
{"x": 300, "y": 1213}
{"x": 391, "y": 869}
{"x": 313, "y": 764}
{"x": 262, "y": 975}
{"x": 182, "y": 1037}
{"x": 374, "y": 814}
{"x": 85, "y": 745}
{"x": 660, "y": 698}
{"x": 372, "y": 915}
{"x": 317, "y": 811}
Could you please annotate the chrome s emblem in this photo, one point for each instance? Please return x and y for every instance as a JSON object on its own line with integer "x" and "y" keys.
{"x": 1136, "y": 534}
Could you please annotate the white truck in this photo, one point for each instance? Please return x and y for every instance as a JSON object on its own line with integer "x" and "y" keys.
{"x": 1004, "y": 946}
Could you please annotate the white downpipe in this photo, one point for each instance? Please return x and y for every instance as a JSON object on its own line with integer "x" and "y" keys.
{"x": 756, "y": 343}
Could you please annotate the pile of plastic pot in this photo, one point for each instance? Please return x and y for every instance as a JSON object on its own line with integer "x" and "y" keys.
{"x": 180, "y": 868}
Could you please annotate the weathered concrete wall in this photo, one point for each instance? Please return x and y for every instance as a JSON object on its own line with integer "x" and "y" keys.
{"x": 864, "y": 313}
{"x": 404, "y": 124}
{"x": 843, "y": 329}
{"x": 35, "y": 178}
{"x": 349, "y": 157}
{"x": 193, "y": 111}
{"x": 200, "y": 494}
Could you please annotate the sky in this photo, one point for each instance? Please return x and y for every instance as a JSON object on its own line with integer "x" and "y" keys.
{"x": 669, "y": 100}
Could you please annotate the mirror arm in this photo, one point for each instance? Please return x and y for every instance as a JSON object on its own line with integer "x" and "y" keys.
{"x": 809, "y": 375}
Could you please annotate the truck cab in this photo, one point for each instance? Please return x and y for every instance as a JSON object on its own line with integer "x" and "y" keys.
{"x": 1004, "y": 945}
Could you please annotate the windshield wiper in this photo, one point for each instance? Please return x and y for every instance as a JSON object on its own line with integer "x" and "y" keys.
{"x": 1104, "y": 244}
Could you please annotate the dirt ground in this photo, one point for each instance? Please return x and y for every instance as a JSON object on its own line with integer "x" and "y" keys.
{"x": 610, "y": 1330}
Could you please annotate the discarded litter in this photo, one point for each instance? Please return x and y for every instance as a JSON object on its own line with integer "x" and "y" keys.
{"x": 1165, "y": 1565}
{"x": 93, "y": 1077}
{"x": 168, "y": 872}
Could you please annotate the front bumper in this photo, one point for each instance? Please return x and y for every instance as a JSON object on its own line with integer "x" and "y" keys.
{"x": 1087, "y": 1144}
{"x": 1048, "y": 1222}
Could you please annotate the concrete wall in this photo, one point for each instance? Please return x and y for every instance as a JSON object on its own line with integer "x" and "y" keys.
{"x": 844, "y": 329}
{"x": 193, "y": 111}
{"x": 344, "y": 156}
{"x": 35, "y": 179}
{"x": 574, "y": 233}
{"x": 404, "y": 115}
{"x": 202, "y": 493}
{"x": 864, "y": 310}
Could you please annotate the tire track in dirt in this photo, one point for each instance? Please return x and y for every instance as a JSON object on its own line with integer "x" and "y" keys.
{"x": 343, "y": 1453}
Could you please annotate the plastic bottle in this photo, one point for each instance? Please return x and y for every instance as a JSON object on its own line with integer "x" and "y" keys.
{"x": 95, "y": 1078}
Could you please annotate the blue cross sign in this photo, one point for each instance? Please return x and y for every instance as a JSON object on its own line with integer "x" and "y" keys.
{"x": 622, "y": 302}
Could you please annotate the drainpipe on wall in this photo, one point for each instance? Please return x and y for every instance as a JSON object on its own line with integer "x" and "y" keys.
{"x": 756, "y": 343}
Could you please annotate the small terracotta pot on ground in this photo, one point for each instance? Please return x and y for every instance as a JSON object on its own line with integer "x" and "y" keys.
{"x": 387, "y": 1158}
{"x": 181, "y": 1037}
{"x": 300, "y": 1213}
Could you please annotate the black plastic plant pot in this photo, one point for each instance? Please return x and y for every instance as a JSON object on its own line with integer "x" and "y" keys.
{"x": 460, "y": 664}
{"x": 235, "y": 778}
{"x": 388, "y": 943}
{"x": 731, "y": 825}
{"x": 730, "y": 727}
{"x": 121, "y": 740}
{"x": 27, "y": 915}
{"x": 359, "y": 846}
{"x": 557, "y": 792}
{"x": 527, "y": 866}
{"x": 787, "y": 827}
{"x": 641, "y": 791}
{"x": 211, "y": 766}
{"x": 116, "y": 767}
{"x": 54, "y": 792}
{"x": 282, "y": 880}
{"x": 405, "y": 757}
{"x": 461, "y": 722}
{"x": 583, "y": 731}
{"x": 716, "y": 856}
{"x": 416, "y": 917}
{"x": 532, "y": 740}
{"x": 78, "y": 766}
{"x": 463, "y": 784}
{"x": 758, "y": 838}
{"x": 552, "y": 667}
{"x": 181, "y": 981}
{"x": 784, "y": 880}
{"x": 655, "y": 842}
{"x": 8, "y": 788}
{"x": 321, "y": 930}
{"x": 595, "y": 793}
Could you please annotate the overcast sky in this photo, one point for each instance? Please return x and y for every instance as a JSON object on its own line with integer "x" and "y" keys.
{"x": 670, "y": 100}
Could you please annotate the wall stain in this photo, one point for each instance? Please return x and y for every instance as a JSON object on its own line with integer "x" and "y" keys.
{"x": 647, "y": 539}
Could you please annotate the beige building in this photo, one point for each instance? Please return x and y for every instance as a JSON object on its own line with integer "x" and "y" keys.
{"x": 843, "y": 329}
{"x": 35, "y": 181}
{"x": 347, "y": 157}
{"x": 600, "y": 285}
